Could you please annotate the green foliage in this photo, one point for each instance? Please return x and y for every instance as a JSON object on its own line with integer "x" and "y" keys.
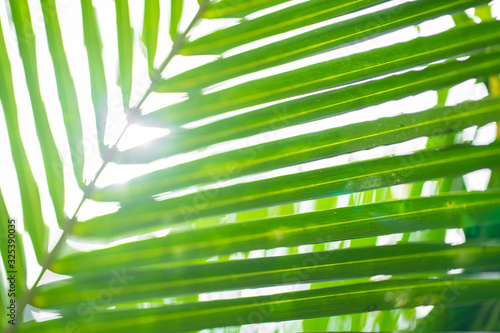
{"x": 273, "y": 207}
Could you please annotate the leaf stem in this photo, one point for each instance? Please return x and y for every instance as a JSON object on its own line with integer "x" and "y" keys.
{"x": 68, "y": 225}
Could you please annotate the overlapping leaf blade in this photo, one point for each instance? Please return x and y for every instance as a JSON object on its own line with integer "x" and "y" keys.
{"x": 314, "y": 107}
{"x": 357, "y": 67}
{"x": 66, "y": 88}
{"x": 151, "y": 283}
{"x": 13, "y": 261}
{"x": 150, "y": 30}
{"x": 125, "y": 50}
{"x": 93, "y": 44}
{"x": 304, "y": 148}
{"x": 310, "y": 43}
{"x": 238, "y": 8}
{"x": 451, "y": 211}
{"x": 288, "y": 19}
{"x": 50, "y": 154}
{"x": 176, "y": 7}
{"x": 30, "y": 195}
{"x": 332, "y": 181}
{"x": 301, "y": 304}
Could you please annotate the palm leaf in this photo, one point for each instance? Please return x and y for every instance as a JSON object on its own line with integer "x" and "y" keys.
{"x": 264, "y": 187}
{"x": 301, "y": 304}
{"x": 454, "y": 211}
{"x": 175, "y": 17}
{"x": 30, "y": 195}
{"x": 13, "y": 263}
{"x": 151, "y": 283}
{"x": 51, "y": 159}
{"x": 93, "y": 44}
{"x": 150, "y": 30}
{"x": 125, "y": 50}
{"x": 65, "y": 88}
{"x": 313, "y": 107}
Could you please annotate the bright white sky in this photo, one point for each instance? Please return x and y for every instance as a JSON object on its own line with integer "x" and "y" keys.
{"x": 71, "y": 23}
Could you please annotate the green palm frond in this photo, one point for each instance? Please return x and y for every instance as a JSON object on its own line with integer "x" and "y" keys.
{"x": 285, "y": 193}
